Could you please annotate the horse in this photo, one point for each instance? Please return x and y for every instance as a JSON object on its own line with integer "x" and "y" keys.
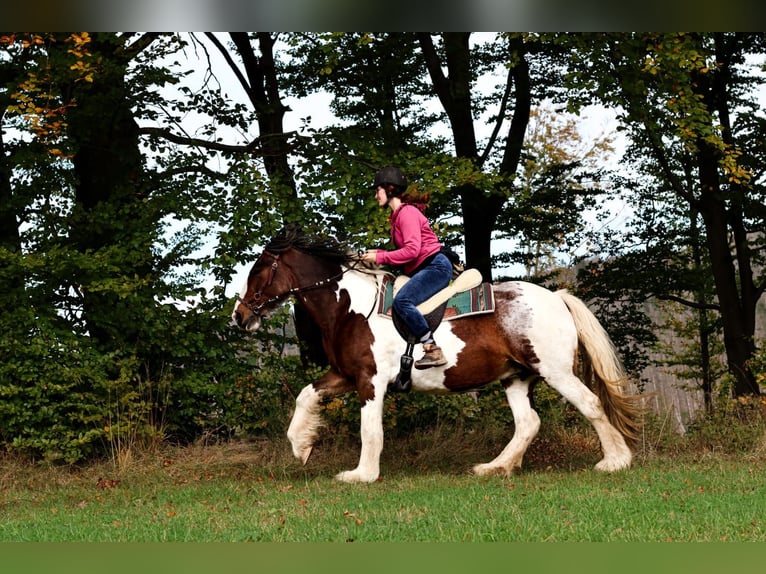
{"x": 533, "y": 334}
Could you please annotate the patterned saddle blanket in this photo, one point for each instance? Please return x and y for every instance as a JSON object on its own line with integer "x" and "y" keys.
{"x": 475, "y": 301}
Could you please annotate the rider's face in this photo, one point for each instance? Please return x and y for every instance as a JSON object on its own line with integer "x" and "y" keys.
{"x": 380, "y": 195}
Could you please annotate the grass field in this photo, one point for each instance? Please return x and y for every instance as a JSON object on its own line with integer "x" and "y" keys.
{"x": 254, "y": 491}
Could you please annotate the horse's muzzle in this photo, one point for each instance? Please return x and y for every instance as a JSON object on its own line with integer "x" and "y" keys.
{"x": 246, "y": 320}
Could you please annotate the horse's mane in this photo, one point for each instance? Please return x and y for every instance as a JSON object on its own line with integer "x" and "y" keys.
{"x": 292, "y": 236}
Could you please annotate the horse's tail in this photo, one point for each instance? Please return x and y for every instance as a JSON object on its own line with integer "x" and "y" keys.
{"x": 624, "y": 411}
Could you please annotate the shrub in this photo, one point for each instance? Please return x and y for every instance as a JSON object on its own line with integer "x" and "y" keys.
{"x": 736, "y": 426}
{"x": 50, "y": 387}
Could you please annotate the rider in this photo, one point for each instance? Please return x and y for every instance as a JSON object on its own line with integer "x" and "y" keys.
{"x": 417, "y": 251}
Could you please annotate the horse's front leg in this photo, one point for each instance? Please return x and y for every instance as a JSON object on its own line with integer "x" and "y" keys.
{"x": 368, "y": 468}
{"x": 371, "y": 433}
{"x": 307, "y": 419}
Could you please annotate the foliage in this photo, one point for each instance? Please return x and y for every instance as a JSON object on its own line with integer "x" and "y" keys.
{"x": 50, "y": 391}
{"x": 758, "y": 364}
{"x": 735, "y": 426}
{"x": 693, "y": 348}
{"x": 412, "y": 413}
{"x": 560, "y": 179}
{"x": 688, "y": 102}
{"x": 111, "y": 341}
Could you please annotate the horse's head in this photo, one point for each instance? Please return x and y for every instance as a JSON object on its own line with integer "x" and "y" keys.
{"x": 291, "y": 264}
{"x": 268, "y": 284}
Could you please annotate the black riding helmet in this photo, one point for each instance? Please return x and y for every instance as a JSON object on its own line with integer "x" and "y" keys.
{"x": 390, "y": 175}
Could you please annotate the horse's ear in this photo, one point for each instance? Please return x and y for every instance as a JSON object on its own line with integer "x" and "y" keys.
{"x": 287, "y": 235}
{"x": 292, "y": 231}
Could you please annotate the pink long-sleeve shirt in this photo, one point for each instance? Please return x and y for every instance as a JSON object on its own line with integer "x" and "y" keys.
{"x": 413, "y": 238}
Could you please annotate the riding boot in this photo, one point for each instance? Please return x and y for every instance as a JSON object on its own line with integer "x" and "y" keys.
{"x": 432, "y": 358}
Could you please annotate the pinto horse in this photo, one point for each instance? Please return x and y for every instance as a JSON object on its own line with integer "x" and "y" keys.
{"x": 533, "y": 334}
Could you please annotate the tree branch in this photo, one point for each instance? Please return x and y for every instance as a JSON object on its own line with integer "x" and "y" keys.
{"x": 440, "y": 82}
{"x": 141, "y": 44}
{"x": 192, "y": 169}
{"x": 500, "y": 117}
{"x": 232, "y": 64}
{"x": 252, "y": 147}
{"x": 688, "y": 303}
{"x": 521, "y": 110}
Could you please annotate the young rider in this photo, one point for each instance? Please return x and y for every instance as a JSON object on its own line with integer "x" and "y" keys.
{"x": 417, "y": 251}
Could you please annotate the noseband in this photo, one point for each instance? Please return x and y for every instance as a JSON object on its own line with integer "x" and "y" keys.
{"x": 256, "y": 309}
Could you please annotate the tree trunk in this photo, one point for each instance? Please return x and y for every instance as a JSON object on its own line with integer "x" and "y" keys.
{"x": 11, "y": 277}
{"x": 703, "y": 322}
{"x": 264, "y": 94}
{"x": 263, "y": 91}
{"x": 110, "y": 219}
{"x": 480, "y": 209}
{"x": 737, "y": 313}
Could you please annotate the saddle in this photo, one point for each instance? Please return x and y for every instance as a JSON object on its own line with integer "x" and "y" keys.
{"x": 433, "y": 311}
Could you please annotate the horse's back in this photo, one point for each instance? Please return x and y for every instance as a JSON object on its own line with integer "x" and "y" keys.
{"x": 537, "y": 304}
{"x": 537, "y": 314}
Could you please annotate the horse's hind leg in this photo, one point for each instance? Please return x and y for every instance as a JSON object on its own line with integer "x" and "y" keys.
{"x": 617, "y": 455}
{"x": 526, "y": 423}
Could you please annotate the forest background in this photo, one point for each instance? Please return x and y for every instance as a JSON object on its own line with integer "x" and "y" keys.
{"x": 132, "y": 173}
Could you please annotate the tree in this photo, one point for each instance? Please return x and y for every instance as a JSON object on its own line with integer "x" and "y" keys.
{"x": 687, "y": 101}
{"x": 105, "y": 341}
{"x": 560, "y": 177}
{"x": 480, "y": 208}
{"x": 384, "y": 86}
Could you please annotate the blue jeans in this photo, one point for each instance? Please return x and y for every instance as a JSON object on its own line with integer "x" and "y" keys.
{"x": 422, "y": 285}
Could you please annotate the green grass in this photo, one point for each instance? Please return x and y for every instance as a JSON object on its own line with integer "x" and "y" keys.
{"x": 255, "y": 492}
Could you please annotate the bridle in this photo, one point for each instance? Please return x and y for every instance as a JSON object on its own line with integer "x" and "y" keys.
{"x": 256, "y": 309}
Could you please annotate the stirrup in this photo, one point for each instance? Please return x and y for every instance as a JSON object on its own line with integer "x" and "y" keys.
{"x": 403, "y": 381}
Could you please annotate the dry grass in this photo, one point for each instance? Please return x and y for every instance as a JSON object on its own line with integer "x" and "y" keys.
{"x": 447, "y": 450}
{"x": 440, "y": 450}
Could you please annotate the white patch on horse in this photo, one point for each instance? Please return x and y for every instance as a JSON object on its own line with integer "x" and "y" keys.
{"x": 237, "y": 303}
{"x": 527, "y": 424}
{"x": 389, "y": 346}
{"x": 553, "y": 336}
{"x": 362, "y": 289}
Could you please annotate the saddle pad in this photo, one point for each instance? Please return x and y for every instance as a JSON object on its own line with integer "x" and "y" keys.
{"x": 475, "y": 301}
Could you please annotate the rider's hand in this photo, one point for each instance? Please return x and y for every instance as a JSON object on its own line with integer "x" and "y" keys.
{"x": 370, "y": 256}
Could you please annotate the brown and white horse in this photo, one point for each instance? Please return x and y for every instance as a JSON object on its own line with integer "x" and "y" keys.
{"x": 533, "y": 334}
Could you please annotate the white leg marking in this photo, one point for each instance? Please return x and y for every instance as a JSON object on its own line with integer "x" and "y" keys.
{"x": 527, "y": 424}
{"x": 617, "y": 455}
{"x": 368, "y": 469}
{"x": 305, "y": 423}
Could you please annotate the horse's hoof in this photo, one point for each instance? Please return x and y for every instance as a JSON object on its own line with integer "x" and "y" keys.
{"x": 353, "y": 476}
{"x": 612, "y": 465}
{"x": 493, "y": 470}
